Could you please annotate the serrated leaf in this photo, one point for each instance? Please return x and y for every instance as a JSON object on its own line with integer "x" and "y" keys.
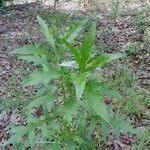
{"x": 115, "y": 56}
{"x": 56, "y": 146}
{"x": 43, "y": 25}
{"x": 78, "y": 139}
{"x": 79, "y": 81}
{"x": 37, "y": 60}
{"x": 41, "y": 77}
{"x": 70, "y": 146}
{"x": 69, "y": 110}
{"x": 32, "y": 119}
{"x": 31, "y": 138}
{"x": 105, "y": 89}
{"x": 18, "y": 133}
{"x": 31, "y": 49}
{"x": 55, "y": 126}
{"x": 74, "y": 31}
{"x": 99, "y": 61}
{"x": 105, "y": 130}
{"x": 40, "y": 101}
{"x": 117, "y": 123}
{"x": 44, "y": 130}
{"x": 46, "y": 31}
{"x": 99, "y": 107}
{"x": 73, "y": 50}
{"x": 92, "y": 126}
{"x": 86, "y": 46}
{"x": 120, "y": 125}
{"x": 95, "y": 102}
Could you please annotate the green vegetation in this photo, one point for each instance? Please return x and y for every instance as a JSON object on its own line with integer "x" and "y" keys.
{"x": 70, "y": 93}
{"x": 82, "y": 81}
{"x": 1, "y": 3}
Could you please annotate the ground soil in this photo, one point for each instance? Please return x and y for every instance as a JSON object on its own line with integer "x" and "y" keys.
{"x": 18, "y": 27}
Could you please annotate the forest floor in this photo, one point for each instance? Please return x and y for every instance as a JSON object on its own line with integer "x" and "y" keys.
{"x": 129, "y": 33}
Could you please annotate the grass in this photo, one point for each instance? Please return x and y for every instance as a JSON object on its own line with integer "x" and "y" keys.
{"x": 134, "y": 99}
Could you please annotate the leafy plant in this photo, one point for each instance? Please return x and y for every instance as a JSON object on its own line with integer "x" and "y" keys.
{"x": 74, "y": 102}
{"x": 140, "y": 21}
{"x": 133, "y": 49}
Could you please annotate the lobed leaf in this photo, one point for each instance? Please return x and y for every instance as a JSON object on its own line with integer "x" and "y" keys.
{"x": 74, "y": 31}
{"x": 120, "y": 125}
{"x": 105, "y": 130}
{"x": 40, "y": 101}
{"x": 18, "y": 133}
{"x": 37, "y": 60}
{"x": 46, "y": 31}
{"x": 41, "y": 77}
{"x": 31, "y": 49}
{"x": 69, "y": 110}
{"x": 94, "y": 100}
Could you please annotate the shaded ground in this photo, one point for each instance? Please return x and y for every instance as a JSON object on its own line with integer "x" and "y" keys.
{"x": 18, "y": 27}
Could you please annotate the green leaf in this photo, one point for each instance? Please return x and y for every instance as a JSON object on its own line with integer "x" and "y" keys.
{"x": 43, "y": 25}
{"x": 41, "y": 77}
{"x": 56, "y": 146}
{"x": 40, "y": 101}
{"x": 105, "y": 89}
{"x": 74, "y": 31}
{"x": 31, "y": 119}
{"x": 70, "y": 146}
{"x": 18, "y": 133}
{"x": 31, "y": 49}
{"x": 105, "y": 130}
{"x": 117, "y": 124}
{"x": 45, "y": 131}
{"x": 79, "y": 81}
{"x": 69, "y": 110}
{"x": 120, "y": 125}
{"x": 92, "y": 126}
{"x": 78, "y": 139}
{"x": 46, "y": 31}
{"x": 73, "y": 50}
{"x": 87, "y": 45}
{"x": 99, "y": 61}
{"x": 37, "y": 60}
{"x": 115, "y": 56}
{"x": 94, "y": 100}
{"x": 31, "y": 138}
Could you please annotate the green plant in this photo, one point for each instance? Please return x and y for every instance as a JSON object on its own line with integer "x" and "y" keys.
{"x": 2, "y": 2}
{"x": 70, "y": 94}
{"x": 116, "y": 8}
{"x": 132, "y": 49}
{"x": 140, "y": 21}
{"x": 133, "y": 98}
{"x": 54, "y": 39}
